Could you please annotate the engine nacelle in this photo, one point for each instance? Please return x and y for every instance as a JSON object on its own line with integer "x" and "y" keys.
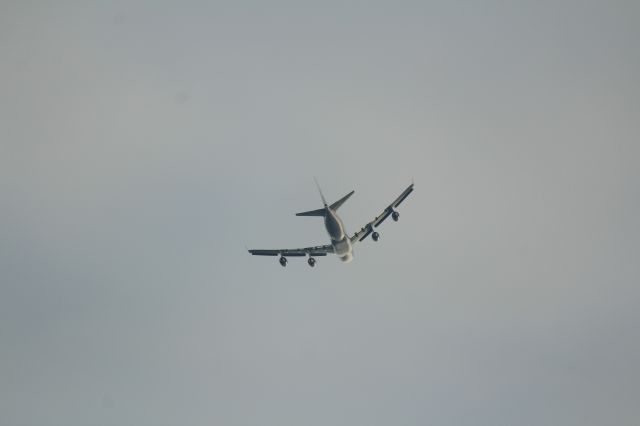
{"x": 311, "y": 262}
{"x": 283, "y": 261}
{"x": 395, "y": 216}
{"x": 375, "y": 236}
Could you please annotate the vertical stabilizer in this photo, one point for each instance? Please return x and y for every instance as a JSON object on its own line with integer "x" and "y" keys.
{"x": 320, "y": 191}
{"x": 319, "y": 212}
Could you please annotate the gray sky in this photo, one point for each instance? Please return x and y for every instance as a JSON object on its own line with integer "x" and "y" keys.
{"x": 143, "y": 144}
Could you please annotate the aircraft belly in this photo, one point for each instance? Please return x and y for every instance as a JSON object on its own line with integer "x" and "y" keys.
{"x": 334, "y": 227}
{"x": 342, "y": 247}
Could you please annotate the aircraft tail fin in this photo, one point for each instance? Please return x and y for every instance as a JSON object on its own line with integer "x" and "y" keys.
{"x": 320, "y": 191}
{"x": 320, "y": 212}
{"x": 337, "y": 204}
{"x": 323, "y": 211}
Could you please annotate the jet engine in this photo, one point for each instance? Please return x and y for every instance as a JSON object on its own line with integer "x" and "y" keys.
{"x": 283, "y": 261}
{"x": 395, "y": 216}
{"x": 311, "y": 262}
{"x": 375, "y": 236}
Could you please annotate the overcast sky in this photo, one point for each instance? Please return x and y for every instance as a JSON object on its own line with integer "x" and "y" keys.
{"x": 144, "y": 144}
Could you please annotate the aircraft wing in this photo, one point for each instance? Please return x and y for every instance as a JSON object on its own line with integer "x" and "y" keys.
{"x": 311, "y": 251}
{"x": 368, "y": 228}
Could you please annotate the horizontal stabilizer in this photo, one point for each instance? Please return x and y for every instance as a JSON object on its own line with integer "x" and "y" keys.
{"x": 319, "y": 212}
{"x": 337, "y": 204}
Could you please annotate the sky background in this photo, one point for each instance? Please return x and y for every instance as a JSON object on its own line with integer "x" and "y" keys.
{"x": 144, "y": 144}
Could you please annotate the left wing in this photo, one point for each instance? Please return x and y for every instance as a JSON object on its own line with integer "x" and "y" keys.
{"x": 311, "y": 251}
{"x": 389, "y": 210}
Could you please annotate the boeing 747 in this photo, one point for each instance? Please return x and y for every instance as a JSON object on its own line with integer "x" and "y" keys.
{"x": 341, "y": 243}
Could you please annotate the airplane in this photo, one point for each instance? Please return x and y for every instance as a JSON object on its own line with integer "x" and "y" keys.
{"x": 341, "y": 243}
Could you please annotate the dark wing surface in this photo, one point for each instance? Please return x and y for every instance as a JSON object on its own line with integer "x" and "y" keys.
{"x": 311, "y": 251}
{"x": 368, "y": 228}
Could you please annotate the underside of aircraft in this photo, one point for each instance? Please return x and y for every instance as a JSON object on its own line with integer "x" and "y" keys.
{"x": 341, "y": 243}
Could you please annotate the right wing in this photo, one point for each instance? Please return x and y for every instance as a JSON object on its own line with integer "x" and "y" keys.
{"x": 368, "y": 228}
{"x": 311, "y": 251}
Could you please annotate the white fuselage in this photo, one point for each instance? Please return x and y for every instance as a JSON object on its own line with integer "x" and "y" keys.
{"x": 339, "y": 238}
